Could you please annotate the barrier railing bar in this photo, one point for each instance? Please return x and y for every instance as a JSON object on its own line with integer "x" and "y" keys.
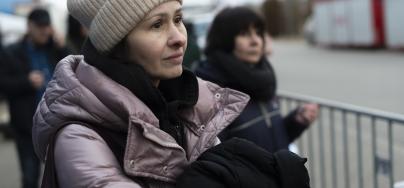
{"x": 300, "y": 142}
{"x": 333, "y": 152}
{"x": 289, "y": 105}
{"x": 348, "y": 107}
{"x": 391, "y": 154}
{"x": 359, "y": 144}
{"x": 321, "y": 136}
{"x": 374, "y": 151}
{"x": 311, "y": 154}
{"x": 345, "y": 140}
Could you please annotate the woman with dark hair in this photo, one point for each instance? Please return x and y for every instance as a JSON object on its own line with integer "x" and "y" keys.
{"x": 236, "y": 59}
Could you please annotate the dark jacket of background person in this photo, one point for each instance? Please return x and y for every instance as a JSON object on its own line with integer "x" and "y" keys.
{"x": 238, "y": 163}
{"x": 15, "y": 85}
{"x": 149, "y": 157}
{"x": 76, "y": 35}
{"x": 193, "y": 52}
{"x": 5, "y": 129}
{"x": 21, "y": 94}
{"x": 261, "y": 122}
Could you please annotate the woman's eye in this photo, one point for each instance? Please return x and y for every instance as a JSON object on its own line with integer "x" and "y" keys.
{"x": 259, "y": 32}
{"x": 243, "y": 33}
{"x": 178, "y": 19}
{"x": 157, "y": 25}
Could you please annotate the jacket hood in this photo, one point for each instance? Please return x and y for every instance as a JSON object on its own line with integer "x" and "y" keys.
{"x": 80, "y": 92}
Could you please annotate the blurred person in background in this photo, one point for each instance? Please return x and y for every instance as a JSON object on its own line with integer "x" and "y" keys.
{"x": 4, "y": 128}
{"x": 76, "y": 35}
{"x": 24, "y": 75}
{"x": 236, "y": 58}
{"x": 193, "y": 54}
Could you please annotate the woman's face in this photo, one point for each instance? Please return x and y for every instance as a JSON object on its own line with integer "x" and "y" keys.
{"x": 249, "y": 46}
{"x": 158, "y": 43}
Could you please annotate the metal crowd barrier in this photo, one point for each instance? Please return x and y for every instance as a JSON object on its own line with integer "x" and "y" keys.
{"x": 350, "y": 146}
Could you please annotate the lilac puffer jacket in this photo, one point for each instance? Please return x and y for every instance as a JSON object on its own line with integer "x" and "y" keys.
{"x": 79, "y": 92}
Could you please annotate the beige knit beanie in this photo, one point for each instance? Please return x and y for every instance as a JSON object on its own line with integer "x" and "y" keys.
{"x": 109, "y": 21}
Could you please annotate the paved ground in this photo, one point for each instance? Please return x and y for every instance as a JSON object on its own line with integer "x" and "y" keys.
{"x": 371, "y": 78}
{"x": 9, "y": 170}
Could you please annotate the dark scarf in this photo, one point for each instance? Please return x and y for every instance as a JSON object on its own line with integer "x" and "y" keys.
{"x": 165, "y": 101}
{"x": 257, "y": 80}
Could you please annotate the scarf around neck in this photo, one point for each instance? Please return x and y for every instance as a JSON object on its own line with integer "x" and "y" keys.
{"x": 165, "y": 101}
{"x": 257, "y": 80}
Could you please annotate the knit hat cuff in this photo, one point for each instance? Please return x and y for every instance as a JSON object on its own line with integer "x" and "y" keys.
{"x": 116, "y": 19}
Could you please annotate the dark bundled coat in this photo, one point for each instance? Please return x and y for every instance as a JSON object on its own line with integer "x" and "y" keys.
{"x": 14, "y": 83}
{"x": 22, "y": 97}
{"x": 261, "y": 121}
{"x": 238, "y": 163}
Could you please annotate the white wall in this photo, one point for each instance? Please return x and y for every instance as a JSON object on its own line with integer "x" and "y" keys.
{"x": 394, "y": 24}
{"x": 344, "y": 23}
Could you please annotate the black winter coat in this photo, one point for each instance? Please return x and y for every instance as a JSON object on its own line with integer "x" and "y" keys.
{"x": 261, "y": 121}
{"x": 238, "y": 163}
{"x": 15, "y": 86}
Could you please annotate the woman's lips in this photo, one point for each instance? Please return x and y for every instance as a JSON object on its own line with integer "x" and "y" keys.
{"x": 176, "y": 58}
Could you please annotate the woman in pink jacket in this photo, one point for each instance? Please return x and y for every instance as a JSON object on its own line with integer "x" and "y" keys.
{"x": 125, "y": 113}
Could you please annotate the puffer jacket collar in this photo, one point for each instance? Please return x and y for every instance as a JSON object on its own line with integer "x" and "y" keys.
{"x": 79, "y": 92}
{"x": 164, "y": 101}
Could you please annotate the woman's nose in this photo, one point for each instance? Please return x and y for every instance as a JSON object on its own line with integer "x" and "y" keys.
{"x": 255, "y": 39}
{"x": 178, "y": 36}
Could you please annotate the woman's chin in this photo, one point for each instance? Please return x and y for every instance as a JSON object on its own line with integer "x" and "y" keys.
{"x": 173, "y": 73}
{"x": 253, "y": 61}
